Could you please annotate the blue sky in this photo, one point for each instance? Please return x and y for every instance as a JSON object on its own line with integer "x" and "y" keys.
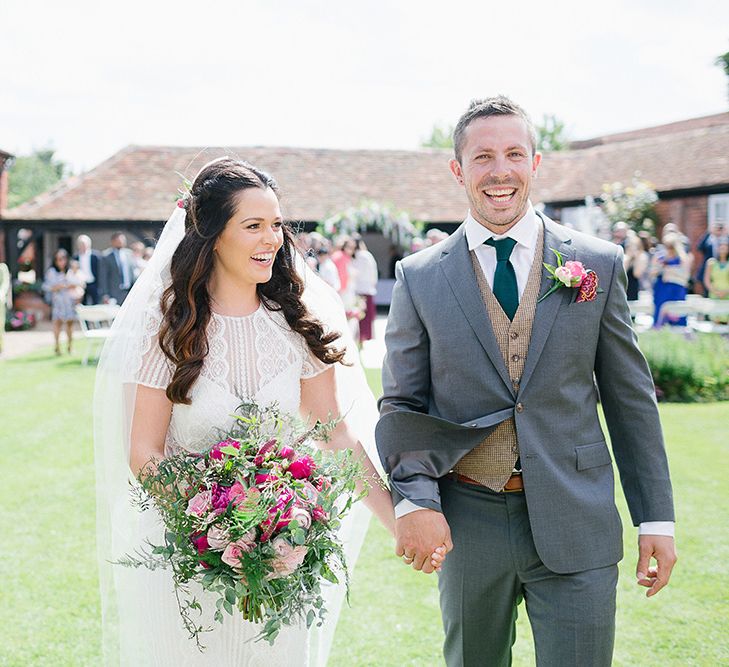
{"x": 91, "y": 77}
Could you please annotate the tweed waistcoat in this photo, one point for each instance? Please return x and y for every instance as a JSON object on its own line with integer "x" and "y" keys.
{"x": 492, "y": 462}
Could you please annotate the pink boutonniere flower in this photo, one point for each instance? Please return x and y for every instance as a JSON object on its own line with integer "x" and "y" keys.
{"x": 572, "y": 275}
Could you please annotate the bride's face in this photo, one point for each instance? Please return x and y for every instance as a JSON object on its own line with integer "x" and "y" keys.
{"x": 247, "y": 247}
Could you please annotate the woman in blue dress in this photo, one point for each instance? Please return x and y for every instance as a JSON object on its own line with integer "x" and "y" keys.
{"x": 62, "y": 290}
{"x": 671, "y": 271}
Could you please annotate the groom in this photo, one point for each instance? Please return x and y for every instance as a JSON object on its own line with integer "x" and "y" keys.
{"x": 489, "y": 424}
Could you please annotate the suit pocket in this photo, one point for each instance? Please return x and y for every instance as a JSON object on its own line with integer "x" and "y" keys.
{"x": 592, "y": 456}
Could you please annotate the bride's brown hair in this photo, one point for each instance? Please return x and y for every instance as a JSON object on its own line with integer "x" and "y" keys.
{"x": 185, "y": 303}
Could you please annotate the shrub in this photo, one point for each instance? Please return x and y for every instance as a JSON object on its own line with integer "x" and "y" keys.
{"x": 687, "y": 368}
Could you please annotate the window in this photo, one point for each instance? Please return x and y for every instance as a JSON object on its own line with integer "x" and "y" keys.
{"x": 719, "y": 208}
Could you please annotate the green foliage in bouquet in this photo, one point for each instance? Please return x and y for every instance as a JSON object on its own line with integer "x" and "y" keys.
{"x": 253, "y": 520}
{"x": 687, "y": 369}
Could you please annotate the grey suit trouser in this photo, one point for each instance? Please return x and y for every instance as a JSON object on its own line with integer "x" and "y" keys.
{"x": 493, "y": 566}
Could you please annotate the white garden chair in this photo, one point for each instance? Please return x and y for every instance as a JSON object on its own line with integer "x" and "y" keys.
{"x": 675, "y": 309}
{"x": 95, "y": 324}
{"x": 712, "y": 308}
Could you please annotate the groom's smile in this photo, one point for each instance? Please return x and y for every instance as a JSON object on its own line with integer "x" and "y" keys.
{"x": 496, "y": 168}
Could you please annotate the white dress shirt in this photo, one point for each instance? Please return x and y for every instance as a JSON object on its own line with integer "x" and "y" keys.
{"x": 84, "y": 260}
{"x": 525, "y": 233}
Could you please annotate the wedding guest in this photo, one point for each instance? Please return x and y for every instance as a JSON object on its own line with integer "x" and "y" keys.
{"x": 716, "y": 276}
{"x": 138, "y": 261}
{"x": 635, "y": 263}
{"x": 76, "y": 280}
{"x": 708, "y": 247}
{"x": 365, "y": 286}
{"x": 342, "y": 258}
{"x": 620, "y": 233}
{"x": 326, "y": 267}
{"x": 89, "y": 260}
{"x": 671, "y": 271}
{"x": 4, "y": 293}
{"x": 117, "y": 270}
{"x": 63, "y": 302}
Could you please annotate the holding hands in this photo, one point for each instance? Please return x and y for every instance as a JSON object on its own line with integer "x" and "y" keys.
{"x": 422, "y": 539}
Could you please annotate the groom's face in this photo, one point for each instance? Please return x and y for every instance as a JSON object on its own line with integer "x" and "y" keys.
{"x": 496, "y": 169}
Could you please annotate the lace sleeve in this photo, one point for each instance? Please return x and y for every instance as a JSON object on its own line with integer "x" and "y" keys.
{"x": 311, "y": 365}
{"x": 155, "y": 369}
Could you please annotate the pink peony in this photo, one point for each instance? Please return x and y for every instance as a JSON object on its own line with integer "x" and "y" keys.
{"x": 265, "y": 478}
{"x": 199, "y": 504}
{"x": 318, "y": 514}
{"x": 215, "y": 452}
{"x": 302, "y": 467}
{"x": 218, "y": 538}
{"x": 577, "y": 272}
{"x": 201, "y": 543}
{"x": 220, "y": 497}
{"x": 287, "y": 558}
{"x": 287, "y": 453}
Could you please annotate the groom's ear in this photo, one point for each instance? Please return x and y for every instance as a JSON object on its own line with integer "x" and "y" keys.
{"x": 456, "y": 170}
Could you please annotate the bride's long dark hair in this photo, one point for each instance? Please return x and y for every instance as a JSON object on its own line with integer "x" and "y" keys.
{"x": 186, "y": 302}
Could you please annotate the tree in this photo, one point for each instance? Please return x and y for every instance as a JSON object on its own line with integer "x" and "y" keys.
{"x": 440, "y": 137}
{"x": 551, "y": 134}
{"x": 723, "y": 62}
{"x": 30, "y": 175}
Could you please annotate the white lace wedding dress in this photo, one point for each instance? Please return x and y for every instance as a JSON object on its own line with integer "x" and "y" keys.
{"x": 253, "y": 357}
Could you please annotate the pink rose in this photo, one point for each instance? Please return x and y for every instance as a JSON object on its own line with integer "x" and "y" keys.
{"x": 322, "y": 483}
{"x": 218, "y": 538}
{"x": 287, "y": 558}
{"x": 287, "y": 452}
{"x": 237, "y": 494}
{"x": 199, "y": 504}
{"x": 310, "y": 492}
{"x": 232, "y": 555}
{"x": 318, "y": 514}
{"x": 302, "y": 467}
{"x": 577, "y": 272}
{"x": 302, "y": 516}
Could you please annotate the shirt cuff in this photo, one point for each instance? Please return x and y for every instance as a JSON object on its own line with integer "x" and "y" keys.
{"x": 655, "y": 528}
{"x": 405, "y": 507}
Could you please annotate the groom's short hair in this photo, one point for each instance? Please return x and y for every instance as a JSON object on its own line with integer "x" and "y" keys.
{"x": 491, "y": 106}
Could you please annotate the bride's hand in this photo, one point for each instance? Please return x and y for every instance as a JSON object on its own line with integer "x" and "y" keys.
{"x": 438, "y": 556}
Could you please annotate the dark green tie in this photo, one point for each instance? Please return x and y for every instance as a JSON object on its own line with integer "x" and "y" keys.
{"x": 505, "y": 289}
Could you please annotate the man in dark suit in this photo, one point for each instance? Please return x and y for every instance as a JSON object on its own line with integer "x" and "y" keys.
{"x": 89, "y": 260}
{"x": 117, "y": 270}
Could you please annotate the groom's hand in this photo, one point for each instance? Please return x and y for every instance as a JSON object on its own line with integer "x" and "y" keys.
{"x": 663, "y": 549}
{"x": 418, "y": 534}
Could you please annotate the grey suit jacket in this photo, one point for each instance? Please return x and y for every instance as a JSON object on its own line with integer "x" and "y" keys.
{"x": 445, "y": 386}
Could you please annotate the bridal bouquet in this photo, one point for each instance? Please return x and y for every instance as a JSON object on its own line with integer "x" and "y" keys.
{"x": 253, "y": 520}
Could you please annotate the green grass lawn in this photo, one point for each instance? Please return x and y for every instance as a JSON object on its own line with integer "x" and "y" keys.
{"x": 48, "y": 600}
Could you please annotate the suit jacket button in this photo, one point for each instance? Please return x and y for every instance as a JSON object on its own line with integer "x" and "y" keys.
{"x": 520, "y": 407}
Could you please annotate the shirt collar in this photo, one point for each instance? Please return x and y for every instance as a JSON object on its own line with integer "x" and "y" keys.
{"x": 524, "y": 232}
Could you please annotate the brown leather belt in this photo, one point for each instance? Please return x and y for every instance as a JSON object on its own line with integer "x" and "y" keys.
{"x": 514, "y": 484}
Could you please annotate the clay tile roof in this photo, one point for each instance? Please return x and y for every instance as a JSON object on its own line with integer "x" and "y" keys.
{"x": 141, "y": 183}
{"x": 680, "y": 159}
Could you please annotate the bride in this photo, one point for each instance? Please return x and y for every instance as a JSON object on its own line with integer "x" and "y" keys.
{"x": 225, "y": 311}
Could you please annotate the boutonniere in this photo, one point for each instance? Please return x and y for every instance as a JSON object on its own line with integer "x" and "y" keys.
{"x": 573, "y": 275}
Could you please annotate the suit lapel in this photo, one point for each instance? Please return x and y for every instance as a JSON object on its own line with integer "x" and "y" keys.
{"x": 555, "y": 237}
{"x": 455, "y": 261}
